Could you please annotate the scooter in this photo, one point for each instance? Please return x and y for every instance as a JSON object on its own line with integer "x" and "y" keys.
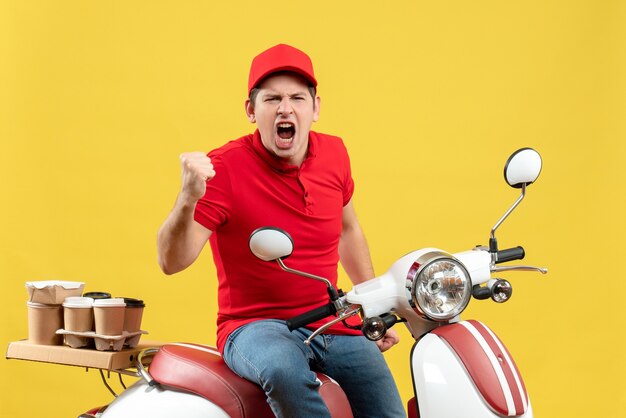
{"x": 459, "y": 367}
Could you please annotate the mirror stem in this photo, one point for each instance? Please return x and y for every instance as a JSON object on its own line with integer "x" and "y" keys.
{"x": 493, "y": 243}
{"x": 331, "y": 290}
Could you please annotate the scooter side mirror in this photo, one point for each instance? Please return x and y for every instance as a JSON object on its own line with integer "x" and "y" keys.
{"x": 522, "y": 167}
{"x": 273, "y": 244}
{"x": 269, "y": 243}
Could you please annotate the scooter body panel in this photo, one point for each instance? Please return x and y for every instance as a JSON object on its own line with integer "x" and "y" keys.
{"x": 443, "y": 386}
{"x": 143, "y": 401}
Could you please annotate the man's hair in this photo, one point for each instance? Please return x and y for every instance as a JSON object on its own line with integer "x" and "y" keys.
{"x": 255, "y": 91}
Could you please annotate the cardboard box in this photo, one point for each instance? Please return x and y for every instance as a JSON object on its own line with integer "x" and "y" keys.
{"x": 53, "y": 292}
{"x": 59, "y": 354}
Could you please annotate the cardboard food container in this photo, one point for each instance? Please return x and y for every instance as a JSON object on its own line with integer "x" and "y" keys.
{"x": 53, "y": 292}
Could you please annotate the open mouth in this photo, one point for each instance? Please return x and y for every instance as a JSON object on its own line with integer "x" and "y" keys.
{"x": 286, "y": 131}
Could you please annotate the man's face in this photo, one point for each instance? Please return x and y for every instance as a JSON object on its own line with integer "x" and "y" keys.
{"x": 284, "y": 112}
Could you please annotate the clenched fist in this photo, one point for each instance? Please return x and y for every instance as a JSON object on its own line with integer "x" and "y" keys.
{"x": 196, "y": 170}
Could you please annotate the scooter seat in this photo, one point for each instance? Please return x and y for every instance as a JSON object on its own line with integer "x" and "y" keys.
{"x": 200, "y": 369}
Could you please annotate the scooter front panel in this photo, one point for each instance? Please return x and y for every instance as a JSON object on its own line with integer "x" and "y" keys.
{"x": 443, "y": 385}
{"x": 489, "y": 365}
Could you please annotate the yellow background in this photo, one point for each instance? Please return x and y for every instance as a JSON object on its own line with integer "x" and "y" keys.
{"x": 98, "y": 99}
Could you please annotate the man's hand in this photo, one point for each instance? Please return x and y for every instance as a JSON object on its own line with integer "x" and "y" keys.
{"x": 390, "y": 339}
{"x": 181, "y": 238}
{"x": 196, "y": 170}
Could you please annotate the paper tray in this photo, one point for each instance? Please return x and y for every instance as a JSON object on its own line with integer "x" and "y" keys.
{"x": 102, "y": 342}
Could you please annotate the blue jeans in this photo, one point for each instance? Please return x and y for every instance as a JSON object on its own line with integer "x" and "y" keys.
{"x": 267, "y": 353}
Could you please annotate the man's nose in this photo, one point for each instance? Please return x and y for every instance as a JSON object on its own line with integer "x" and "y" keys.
{"x": 285, "y": 108}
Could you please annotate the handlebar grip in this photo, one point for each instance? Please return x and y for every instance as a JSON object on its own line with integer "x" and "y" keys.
{"x": 311, "y": 316}
{"x": 510, "y": 254}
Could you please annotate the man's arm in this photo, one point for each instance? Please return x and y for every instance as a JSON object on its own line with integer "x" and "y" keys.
{"x": 357, "y": 262}
{"x": 181, "y": 238}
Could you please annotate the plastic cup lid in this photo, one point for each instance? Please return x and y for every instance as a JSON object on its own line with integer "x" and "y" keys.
{"x": 134, "y": 303}
{"x": 97, "y": 295}
{"x": 105, "y": 303}
{"x": 77, "y": 302}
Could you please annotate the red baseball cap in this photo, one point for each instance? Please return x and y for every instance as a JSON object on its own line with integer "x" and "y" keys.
{"x": 280, "y": 58}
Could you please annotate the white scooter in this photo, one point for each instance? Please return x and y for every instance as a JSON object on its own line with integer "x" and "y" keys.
{"x": 459, "y": 368}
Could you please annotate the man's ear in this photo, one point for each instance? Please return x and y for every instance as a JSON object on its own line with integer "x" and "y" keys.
{"x": 250, "y": 111}
{"x": 316, "y": 108}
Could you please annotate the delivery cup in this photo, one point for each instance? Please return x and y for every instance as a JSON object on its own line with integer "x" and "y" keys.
{"x": 43, "y": 322}
{"x": 109, "y": 316}
{"x": 78, "y": 314}
{"x": 133, "y": 314}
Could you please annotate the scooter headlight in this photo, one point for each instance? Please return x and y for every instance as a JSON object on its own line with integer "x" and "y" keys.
{"x": 440, "y": 286}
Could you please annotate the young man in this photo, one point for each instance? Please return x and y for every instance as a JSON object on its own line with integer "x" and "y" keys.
{"x": 282, "y": 175}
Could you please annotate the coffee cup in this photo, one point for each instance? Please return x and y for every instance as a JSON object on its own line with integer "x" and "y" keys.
{"x": 78, "y": 314}
{"x": 43, "y": 322}
{"x": 109, "y": 316}
{"x": 133, "y": 314}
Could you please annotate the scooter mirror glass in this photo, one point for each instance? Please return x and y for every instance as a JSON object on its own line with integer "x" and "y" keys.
{"x": 270, "y": 243}
{"x": 522, "y": 167}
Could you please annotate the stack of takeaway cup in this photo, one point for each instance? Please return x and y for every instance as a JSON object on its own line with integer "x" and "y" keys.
{"x": 58, "y": 306}
{"x": 45, "y": 310}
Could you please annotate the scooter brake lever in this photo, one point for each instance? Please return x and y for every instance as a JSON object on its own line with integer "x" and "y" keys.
{"x": 351, "y": 311}
{"x": 541, "y": 270}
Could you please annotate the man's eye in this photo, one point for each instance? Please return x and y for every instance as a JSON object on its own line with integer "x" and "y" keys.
{"x": 271, "y": 99}
{"x": 299, "y": 98}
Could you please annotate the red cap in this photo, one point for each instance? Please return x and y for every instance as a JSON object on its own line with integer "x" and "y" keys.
{"x": 280, "y": 58}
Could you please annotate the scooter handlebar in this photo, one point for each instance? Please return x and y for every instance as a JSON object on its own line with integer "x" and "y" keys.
{"x": 311, "y": 316}
{"x": 510, "y": 254}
